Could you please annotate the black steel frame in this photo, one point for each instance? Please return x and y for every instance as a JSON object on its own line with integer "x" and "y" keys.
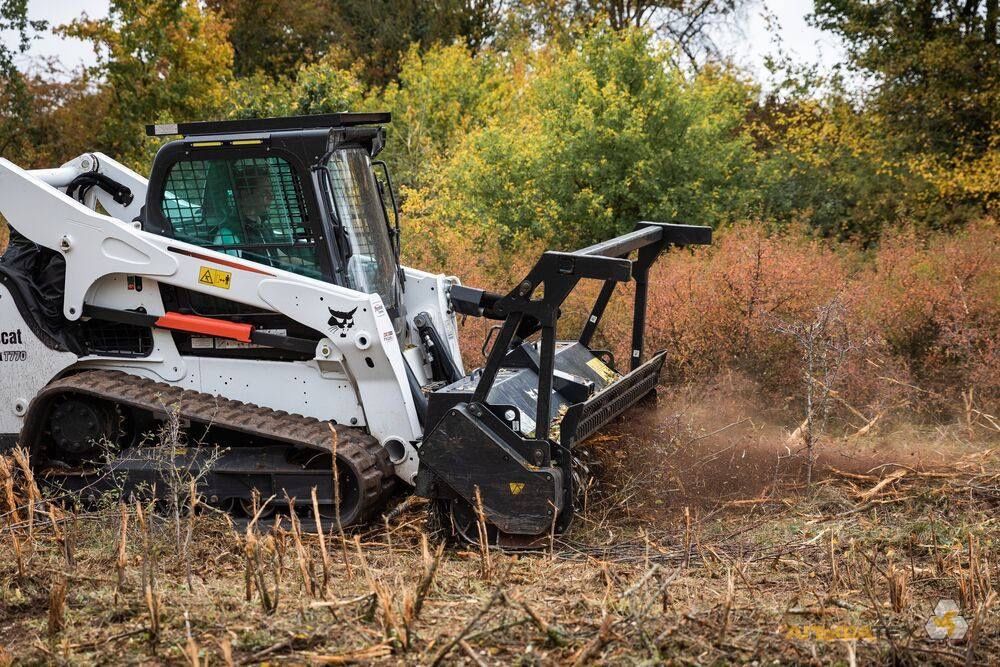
{"x": 558, "y": 273}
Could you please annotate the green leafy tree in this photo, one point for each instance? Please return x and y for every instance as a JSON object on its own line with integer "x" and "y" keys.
{"x": 321, "y": 87}
{"x": 605, "y": 134}
{"x": 821, "y": 164}
{"x": 440, "y": 96}
{"x": 158, "y": 60}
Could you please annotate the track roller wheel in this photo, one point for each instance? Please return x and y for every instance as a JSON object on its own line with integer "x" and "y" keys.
{"x": 246, "y": 506}
{"x": 80, "y": 426}
{"x": 355, "y": 485}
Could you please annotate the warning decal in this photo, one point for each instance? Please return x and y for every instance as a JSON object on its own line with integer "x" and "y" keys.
{"x": 214, "y": 277}
{"x": 516, "y": 487}
{"x": 602, "y": 369}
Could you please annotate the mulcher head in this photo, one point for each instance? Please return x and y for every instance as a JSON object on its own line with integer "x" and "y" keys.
{"x": 500, "y": 441}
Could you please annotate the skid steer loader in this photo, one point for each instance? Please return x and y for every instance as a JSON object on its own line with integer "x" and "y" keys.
{"x": 249, "y": 295}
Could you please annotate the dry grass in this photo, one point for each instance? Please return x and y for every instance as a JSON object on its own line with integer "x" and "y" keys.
{"x": 849, "y": 571}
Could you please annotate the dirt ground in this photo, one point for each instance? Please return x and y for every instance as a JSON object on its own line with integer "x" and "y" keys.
{"x": 699, "y": 543}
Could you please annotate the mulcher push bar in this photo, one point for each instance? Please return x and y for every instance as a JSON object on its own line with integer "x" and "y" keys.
{"x": 559, "y": 273}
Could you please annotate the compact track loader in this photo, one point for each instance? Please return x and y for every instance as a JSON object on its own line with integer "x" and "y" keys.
{"x": 248, "y": 298}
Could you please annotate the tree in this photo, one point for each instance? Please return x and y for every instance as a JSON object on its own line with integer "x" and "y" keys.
{"x": 684, "y": 23}
{"x": 277, "y": 36}
{"x": 438, "y": 98}
{"x": 602, "y": 135}
{"x": 15, "y": 100}
{"x": 378, "y": 33}
{"x": 321, "y": 87}
{"x": 822, "y": 163}
{"x": 158, "y": 60}
{"x": 62, "y": 119}
{"x": 934, "y": 66}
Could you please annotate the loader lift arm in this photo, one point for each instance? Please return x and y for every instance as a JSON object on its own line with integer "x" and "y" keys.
{"x": 476, "y": 443}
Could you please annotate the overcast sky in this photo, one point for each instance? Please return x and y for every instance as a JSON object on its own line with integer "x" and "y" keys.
{"x": 749, "y": 43}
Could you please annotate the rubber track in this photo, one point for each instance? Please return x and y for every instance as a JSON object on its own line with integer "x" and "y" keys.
{"x": 377, "y": 477}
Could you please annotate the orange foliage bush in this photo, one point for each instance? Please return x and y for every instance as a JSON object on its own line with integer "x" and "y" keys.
{"x": 919, "y": 316}
{"x": 715, "y": 308}
{"x": 936, "y": 304}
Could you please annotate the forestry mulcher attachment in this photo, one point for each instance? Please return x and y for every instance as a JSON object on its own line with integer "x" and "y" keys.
{"x": 243, "y": 315}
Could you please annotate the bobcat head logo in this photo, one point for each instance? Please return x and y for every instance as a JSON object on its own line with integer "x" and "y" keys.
{"x": 342, "y": 321}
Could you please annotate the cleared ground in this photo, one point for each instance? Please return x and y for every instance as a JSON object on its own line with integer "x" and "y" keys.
{"x": 699, "y": 544}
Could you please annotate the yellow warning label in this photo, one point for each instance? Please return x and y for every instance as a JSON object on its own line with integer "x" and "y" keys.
{"x": 214, "y": 277}
{"x": 602, "y": 369}
{"x": 516, "y": 487}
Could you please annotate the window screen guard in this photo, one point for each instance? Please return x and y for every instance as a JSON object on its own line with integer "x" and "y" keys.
{"x": 247, "y": 207}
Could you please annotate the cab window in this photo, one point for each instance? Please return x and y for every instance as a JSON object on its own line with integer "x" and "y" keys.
{"x": 251, "y": 208}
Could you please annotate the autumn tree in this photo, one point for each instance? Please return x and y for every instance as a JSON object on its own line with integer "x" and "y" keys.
{"x": 377, "y": 33}
{"x": 275, "y": 37}
{"x": 15, "y": 100}
{"x": 158, "y": 60}
{"x": 934, "y": 98}
{"x": 685, "y": 24}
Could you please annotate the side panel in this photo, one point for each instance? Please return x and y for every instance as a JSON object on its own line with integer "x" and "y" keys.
{"x": 26, "y": 365}
{"x": 299, "y": 387}
{"x": 307, "y": 387}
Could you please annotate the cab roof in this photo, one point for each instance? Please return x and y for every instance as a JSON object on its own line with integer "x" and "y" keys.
{"x": 250, "y": 125}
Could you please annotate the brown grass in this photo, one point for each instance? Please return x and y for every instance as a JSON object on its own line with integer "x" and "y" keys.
{"x": 683, "y": 554}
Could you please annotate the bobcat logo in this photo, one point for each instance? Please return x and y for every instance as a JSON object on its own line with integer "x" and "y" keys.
{"x": 342, "y": 321}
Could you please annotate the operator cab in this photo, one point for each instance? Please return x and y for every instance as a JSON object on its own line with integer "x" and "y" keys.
{"x": 302, "y": 194}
